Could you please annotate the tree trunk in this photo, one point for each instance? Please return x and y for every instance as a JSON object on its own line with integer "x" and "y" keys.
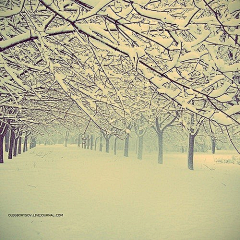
{"x": 190, "y": 151}
{"x": 101, "y": 145}
{"x": 31, "y": 142}
{"x": 83, "y": 141}
{"x": 11, "y": 145}
{"x": 3, "y": 132}
{"x": 95, "y": 147}
{"x": 66, "y": 139}
{"x": 7, "y": 141}
{"x": 1, "y": 148}
{"x": 88, "y": 142}
{"x": 91, "y": 146}
{"x": 160, "y": 147}
{"x": 140, "y": 146}
{"x": 115, "y": 146}
{"x": 213, "y": 145}
{"x": 19, "y": 145}
{"x": 182, "y": 148}
{"x": 15, "y": 147}
{"x": 126, "y": 145}
{"x": 25, "y": 144}
{"x": 34, "y": 142}
{"x": 107, "y": 144}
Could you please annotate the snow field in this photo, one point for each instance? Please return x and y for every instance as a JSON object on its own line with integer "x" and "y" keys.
{"x": 109, "y": 197}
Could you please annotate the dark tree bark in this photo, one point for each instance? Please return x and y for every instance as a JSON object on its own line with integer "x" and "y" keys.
{"x": 19, "y": 145}
{"x": 115, "y": 146}
{"x": 31, "y": 143}
{"x": 107, "y": 137}
{"x": 1, "y": 148}
{"x": 126, "y": 145}
{"x": 159, "y": 131}
{"x": 7, "y": 141}
{"x": 140, "y": 145}
{"x": 213, "y": 145}
{"x": 3, "y": 132}
{"x": 15, "y": 147}
{"x": 191, "y": 151}
{"x": 11, "y": 144}
{"x": 25, "y": 148}
{"x": 107, "y": 144}
{"x": 160, "y": 128}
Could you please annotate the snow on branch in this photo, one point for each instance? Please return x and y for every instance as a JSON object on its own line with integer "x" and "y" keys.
{"x": 8, "y": 8}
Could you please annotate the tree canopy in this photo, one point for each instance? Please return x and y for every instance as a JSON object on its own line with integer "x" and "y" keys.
{"x": 113, "y": 62}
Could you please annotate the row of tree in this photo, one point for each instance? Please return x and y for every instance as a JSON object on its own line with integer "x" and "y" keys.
{"x": 171, "y": 138}
{"x": 120, "y": 65}
{"x": 13, "y": 142}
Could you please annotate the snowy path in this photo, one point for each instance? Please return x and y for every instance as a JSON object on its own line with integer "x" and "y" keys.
{"x": 107, "y": 197}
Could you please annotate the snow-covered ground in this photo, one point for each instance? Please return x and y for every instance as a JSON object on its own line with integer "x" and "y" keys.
{"x": 107, "y": 197}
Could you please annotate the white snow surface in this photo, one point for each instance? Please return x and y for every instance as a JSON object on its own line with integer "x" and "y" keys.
{"x": 105, "y": 197}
